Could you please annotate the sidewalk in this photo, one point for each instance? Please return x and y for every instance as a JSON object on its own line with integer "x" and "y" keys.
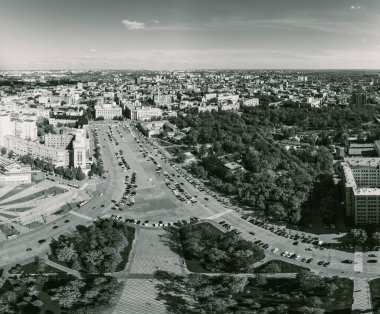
{"x": 362, "y": 296}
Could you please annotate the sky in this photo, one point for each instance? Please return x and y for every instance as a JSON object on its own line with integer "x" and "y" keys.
{"x": 189, "y": 34}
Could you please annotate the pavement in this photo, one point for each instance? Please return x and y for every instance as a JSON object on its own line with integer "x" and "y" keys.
{"x": 362, "y": 296}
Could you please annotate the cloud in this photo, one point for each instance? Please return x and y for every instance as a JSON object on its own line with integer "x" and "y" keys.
{"x": 92, "y": 50}
{"x": 133, "y": 25}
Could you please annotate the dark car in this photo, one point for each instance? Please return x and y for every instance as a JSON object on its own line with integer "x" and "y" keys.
{"x": 28, "y": 249}
{"x": 326, "y": 264}
{"x": 41, "y": 241}
{"x": 372, "y": 261}
{"x": 252, "y": 233}
{"x": 321, "y": 263}
{"x": 55, "y": 227}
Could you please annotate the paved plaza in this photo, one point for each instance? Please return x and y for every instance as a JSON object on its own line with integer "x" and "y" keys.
{"x": 139, "y": 297}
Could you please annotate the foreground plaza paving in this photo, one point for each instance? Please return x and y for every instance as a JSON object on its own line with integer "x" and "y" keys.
{"x": 150, "y": 253}
{"x": 139, "y": 297}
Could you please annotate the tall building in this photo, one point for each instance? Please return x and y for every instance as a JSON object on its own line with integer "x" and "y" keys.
{"x": 5, "y": 127}
{"x": 359, "y": 98}
{"x": 361, "y": 181}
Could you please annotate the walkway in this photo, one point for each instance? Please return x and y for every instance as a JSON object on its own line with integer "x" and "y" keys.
{"x": 81, "y": 215}
{"x": 62, "y": 268}
{"x": 362, "y": 296}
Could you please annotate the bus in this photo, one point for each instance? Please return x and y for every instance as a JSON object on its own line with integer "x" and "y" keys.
{"x": 82, "y": 203}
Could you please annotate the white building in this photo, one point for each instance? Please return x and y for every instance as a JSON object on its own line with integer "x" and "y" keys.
{"x": 107, "y": 111}
{"x": 15, "y": 173}
{"x": 5, "y": 127}
{"x": 361, "y": 179}
{"x": 58, "y": 156}
{"x": 145, "y": 113}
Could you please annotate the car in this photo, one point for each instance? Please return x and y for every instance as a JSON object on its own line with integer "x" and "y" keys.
{"x": 55, "y": 227}
{"x": 371, "y": 255}
{"x": 275, "y": 250}
{"x": 67, "y": 220}
{"x": 284, "y": 253}
{"x": 309, "y": 260}
{"x": 206, "y": 198}
{"x": 320, "y": 262}
{"x": 347, "y": 261}
{"x": 257, "y": 242}
{"x": 326, "y": 264}
{"x": 308, "y": 249}
{"x": 304, "y": 260}
{"x": 372, "y": 261}
{"x": 295, "y": 243}
{"x": 28, "y": 249}
{"x": 252, "y": 233}
{"x": 41, "y": 241}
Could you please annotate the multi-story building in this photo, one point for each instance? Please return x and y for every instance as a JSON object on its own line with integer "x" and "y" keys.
{"x": 359, "y": 98}
{"x": 361, "y": 179}
{"x": 5, "y": 127}
{"x": 107, "y": 111}
{"x": 58, "y": 156}
{"x": 144, "y": 113}
{"x": 15, "y": 173}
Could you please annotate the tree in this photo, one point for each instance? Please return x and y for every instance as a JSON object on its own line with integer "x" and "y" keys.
{"x": 376, "y": 237}
{"x": 358, "y": 236}
{"x": 3, "y": 151}
{"x": 11, "y": 154}
{"x": 79, "y": 174}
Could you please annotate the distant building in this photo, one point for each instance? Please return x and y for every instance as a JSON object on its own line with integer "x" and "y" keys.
{"x": 359, "y": 98}
{"x": 108, "y": 111}
{"x": 15, "y": 173}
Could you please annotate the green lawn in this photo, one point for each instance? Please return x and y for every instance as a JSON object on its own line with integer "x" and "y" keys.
{"x": 16, "y": 190}
{"x": 283, "y": 267}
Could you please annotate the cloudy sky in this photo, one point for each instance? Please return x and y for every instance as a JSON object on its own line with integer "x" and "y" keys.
{"x": 186, "y": 34}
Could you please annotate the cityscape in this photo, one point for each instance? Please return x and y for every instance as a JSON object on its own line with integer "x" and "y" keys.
{"x": 191, "y": 157}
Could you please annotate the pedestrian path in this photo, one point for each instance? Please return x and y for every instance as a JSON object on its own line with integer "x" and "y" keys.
{"x": 62, "y": 268}
{"x": 220, "y": 214}
{"x": 72, "y": 212}
{"x": 358, "y": 259}
{"x": 362, "y": 296}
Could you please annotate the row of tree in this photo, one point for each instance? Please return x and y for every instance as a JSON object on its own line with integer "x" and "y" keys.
{"x": 69, "y": 173}
{"x": 306, "y": 294}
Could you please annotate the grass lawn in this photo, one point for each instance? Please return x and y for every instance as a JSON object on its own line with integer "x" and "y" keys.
{"x": 374, "y": 287}
{"x": 125, "y": 254}
{"x": 283, "y": 267}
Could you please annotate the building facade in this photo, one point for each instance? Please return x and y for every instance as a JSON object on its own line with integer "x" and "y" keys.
{"x": 361, "y": 181}
{"x": 107, "y": 111}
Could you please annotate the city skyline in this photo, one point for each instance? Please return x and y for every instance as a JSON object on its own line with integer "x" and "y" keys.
{"x": 156, "y": 35}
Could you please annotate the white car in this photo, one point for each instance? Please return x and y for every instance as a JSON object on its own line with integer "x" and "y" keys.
{"x": 275, "y": 250}
{"x": 285, "y": 253}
